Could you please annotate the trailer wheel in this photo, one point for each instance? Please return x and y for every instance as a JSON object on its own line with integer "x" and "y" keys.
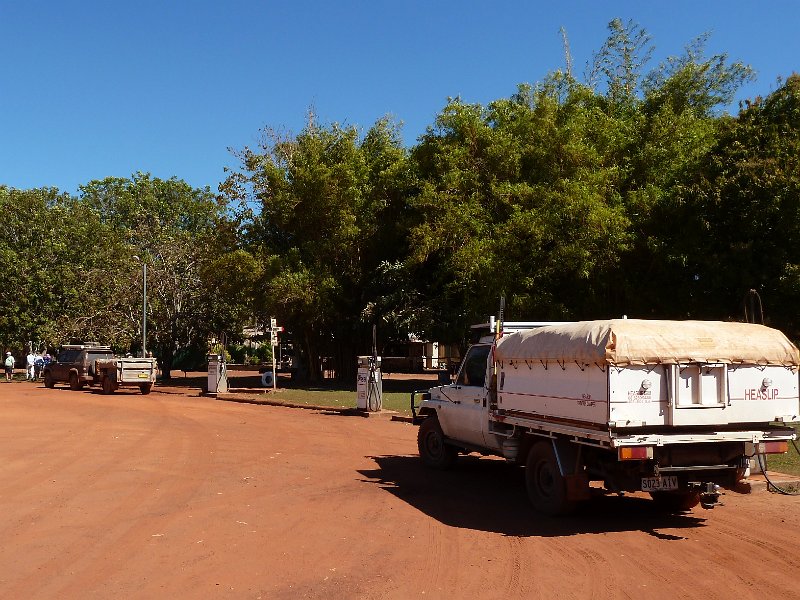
{"x": 48, "y": 381}
{"x": 108, "y": 385}
{"x": 146, "y": 387}
{"x": 547, "y": 488}
{"x": 675, "y": 501}
{"x": 74, "y": 383}
{"x": 433, "y": 450}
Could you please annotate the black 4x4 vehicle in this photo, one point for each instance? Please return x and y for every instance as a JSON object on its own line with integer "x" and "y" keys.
{"x": 75, "y": 364}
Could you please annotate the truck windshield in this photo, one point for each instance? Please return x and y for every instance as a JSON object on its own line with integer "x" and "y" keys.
{"x": 473, "y": 371}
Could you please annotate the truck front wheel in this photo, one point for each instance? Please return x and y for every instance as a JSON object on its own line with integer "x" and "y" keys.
{"x": 48, "y": 380}
{"x": 74, "y": 383}
{"x": 547, "y": 488}
{"x": 433, "y": 450}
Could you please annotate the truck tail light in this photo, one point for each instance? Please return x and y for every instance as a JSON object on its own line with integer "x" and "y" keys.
{"x": 773, "y": 447}
{"x": 635, "y": 452}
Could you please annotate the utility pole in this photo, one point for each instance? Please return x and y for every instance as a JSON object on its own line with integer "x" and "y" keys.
{"x": 144, "y": 305}
{"x": 144, "y": 309}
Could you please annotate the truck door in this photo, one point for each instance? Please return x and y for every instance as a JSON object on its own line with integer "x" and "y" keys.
{"x": 466, "y": 419}
{"x": 59, "y": 368}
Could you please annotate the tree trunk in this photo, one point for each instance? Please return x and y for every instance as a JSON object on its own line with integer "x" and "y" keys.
{"x": 312, "y": 357}
{"x": 166, "y": 357}
{"x": 346, "y": 363}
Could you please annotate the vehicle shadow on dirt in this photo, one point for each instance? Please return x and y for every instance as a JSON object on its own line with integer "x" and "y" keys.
{"x": 489, "y": 495}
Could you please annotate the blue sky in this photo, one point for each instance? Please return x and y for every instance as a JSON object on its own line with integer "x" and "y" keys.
{"x": 91, "y": 89}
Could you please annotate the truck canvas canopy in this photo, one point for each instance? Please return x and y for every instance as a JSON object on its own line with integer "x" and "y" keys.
{"x": 623, "y": 342}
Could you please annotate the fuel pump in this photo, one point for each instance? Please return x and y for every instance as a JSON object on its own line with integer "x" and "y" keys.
{"x": 370, "y": 384}
{"x": 217, "y": 372}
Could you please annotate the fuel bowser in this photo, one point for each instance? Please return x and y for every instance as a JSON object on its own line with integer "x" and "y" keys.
{"x": 369, "y": 387}
{"x": 217, "y": 374}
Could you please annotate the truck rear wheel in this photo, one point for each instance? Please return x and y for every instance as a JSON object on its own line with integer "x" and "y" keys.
{"x": 675, "y": 501}
{"x": 146, "y": 388}
{"x": 433, "y": 450}
{"x": 547, "y": 488}
{"x": 108, "y": 386}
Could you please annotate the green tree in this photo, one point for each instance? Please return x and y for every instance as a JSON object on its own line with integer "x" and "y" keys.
{"x": 749, "y": 201}
{"x": 58, "y": 259}
{"x": 674, "y": 132}
{"x": 577, "y": 201}
{"x": 181, "y": 234}
{"x": 619, "y": 64}
{"x": 321, "y": 212}
{"x": 518, "y": 198}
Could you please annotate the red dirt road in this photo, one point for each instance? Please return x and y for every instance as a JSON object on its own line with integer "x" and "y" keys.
{"x": 174, "y": 495}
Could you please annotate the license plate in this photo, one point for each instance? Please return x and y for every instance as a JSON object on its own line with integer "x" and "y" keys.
{"x": 658, "y": 484}
{"x": 143, "y": 376}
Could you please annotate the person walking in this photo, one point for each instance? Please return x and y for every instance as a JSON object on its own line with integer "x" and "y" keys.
{"x": 29, "y": 365}
{"x": 9, "y": 365}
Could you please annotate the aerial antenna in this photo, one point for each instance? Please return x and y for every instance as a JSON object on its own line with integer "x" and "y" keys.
{"x": 753, "y": 308}
{"x": 500, "y": 318}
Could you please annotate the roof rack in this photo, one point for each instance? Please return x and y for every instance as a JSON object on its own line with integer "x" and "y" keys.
{"x": 86, "y": 346}
{"x": 485, "y": 331}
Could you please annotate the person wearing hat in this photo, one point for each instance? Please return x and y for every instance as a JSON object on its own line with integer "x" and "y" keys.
{"x": 9, "y": 364}
{"x": 29, "y": 366}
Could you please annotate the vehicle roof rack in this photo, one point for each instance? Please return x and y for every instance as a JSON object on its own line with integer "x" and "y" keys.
{"x": 86, "y": 346}
{"x": 484, "y": 332}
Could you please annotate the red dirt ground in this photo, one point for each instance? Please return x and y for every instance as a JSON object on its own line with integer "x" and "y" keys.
{"x": 176, "y": 495}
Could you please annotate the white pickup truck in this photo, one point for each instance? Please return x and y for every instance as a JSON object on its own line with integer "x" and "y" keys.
{"x": 673, "y": 408}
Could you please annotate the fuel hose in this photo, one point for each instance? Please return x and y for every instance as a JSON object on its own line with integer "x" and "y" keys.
{"x": 763, "y": 464}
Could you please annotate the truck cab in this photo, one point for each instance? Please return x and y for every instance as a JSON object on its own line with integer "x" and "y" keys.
{"x": 462, "y": 406}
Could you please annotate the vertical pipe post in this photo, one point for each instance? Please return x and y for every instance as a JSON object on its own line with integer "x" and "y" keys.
{"x": 144, "y": 309}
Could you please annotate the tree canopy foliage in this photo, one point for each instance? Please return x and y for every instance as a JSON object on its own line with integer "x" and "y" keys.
{"x": 182, "y": 235}
{"x": 321, "y": 213}
{"x": 631, "y": 192}
{"x": 74, "y": 266}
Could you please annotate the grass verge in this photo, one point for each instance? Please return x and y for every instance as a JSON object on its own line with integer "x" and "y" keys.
{"x": 396, "y": 401}
{"x": 788, "y": 463}
{"x": 396, "y": 391}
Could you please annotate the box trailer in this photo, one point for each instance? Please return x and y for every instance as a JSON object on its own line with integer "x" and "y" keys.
{"x": 115, "y": 373}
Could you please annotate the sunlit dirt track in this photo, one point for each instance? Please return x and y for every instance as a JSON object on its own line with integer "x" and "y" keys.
{"x": 181, "y": 496}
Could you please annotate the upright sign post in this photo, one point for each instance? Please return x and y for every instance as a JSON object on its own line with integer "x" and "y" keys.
{"x": 273, "y": 340}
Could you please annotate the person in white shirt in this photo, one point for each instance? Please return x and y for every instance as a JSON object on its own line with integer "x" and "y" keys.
{"x": 9, "y": 366}
{"x": 29, "y": 362}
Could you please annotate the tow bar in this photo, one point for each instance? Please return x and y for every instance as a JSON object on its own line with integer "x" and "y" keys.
{"x": 709, "y": 493}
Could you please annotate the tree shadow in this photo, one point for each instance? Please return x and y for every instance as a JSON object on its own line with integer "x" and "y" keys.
{"x": 404, "y": 385}
{"x": 252, "y": 380}
{"x": 489, "y": 495}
